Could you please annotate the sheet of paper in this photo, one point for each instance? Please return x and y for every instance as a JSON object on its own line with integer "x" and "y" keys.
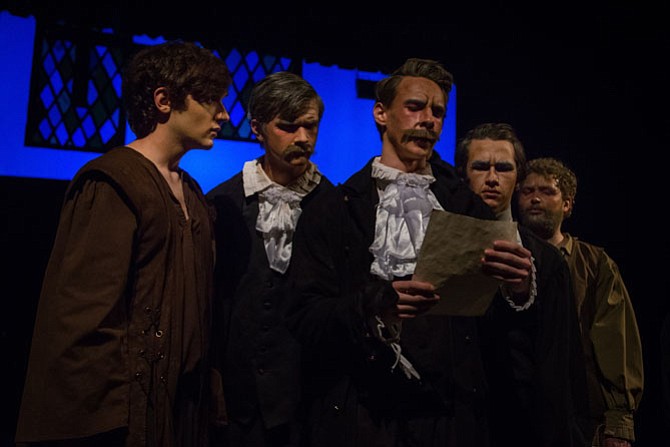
{"x": 450, "y": 259}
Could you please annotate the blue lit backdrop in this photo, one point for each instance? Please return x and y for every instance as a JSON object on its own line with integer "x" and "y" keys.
{"x": 347, "y": 136}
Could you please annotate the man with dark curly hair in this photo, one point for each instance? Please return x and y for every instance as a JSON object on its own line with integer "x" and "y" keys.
{"x": 609, "y": 330}
{"x": 121, "y": 339}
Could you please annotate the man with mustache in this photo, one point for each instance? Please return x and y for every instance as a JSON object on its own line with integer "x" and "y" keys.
{"x": 532, "y": 353}
{"x": 378, "y": 370}
{"x": 609, "y": 330}
{"x": 256, "y": 214}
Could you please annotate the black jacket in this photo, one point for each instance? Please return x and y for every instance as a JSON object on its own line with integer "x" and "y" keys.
{"x": 252, "y": 349}
{"x": 534, "y": 360}
{"x": 352, "y": 397}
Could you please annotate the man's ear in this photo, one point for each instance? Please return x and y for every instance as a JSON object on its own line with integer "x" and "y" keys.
{"x": 256, "y": 128}
{"x": 567, "y": 207}
{"x": 162, "y": 100}
{"x": 379, "y": 114}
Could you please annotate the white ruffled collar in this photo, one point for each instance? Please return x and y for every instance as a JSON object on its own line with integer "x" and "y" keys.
{"x": 256, "y": 180}
{"x": 278, "y": 209}
{"x": 403, "y": 213}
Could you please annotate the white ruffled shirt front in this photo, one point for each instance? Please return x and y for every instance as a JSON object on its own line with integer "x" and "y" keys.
{"x": 278, "y": 209}
{"x": 403, "y": 212}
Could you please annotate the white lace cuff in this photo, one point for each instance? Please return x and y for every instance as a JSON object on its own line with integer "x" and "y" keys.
{"x": 532, "y": 293}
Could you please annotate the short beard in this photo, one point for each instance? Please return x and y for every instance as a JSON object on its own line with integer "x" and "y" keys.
{"x": 544, "y": 226}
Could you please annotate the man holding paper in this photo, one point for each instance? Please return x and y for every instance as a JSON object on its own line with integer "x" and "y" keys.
{"x": 379, "y": 368}
{"x": 533, "y": 357}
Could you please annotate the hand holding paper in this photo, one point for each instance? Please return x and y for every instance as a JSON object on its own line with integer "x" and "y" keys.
{"x": 414, "y": 298}
{"x": 511, "y": 263}
{"x": 451, "y": 260}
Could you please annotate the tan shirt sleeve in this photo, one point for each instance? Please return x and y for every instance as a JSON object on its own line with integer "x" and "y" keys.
{"x": 617, "y": 349}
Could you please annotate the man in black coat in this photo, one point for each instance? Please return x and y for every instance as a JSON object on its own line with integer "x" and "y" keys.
{"x": 256, "y": 214}
{"x": 378, "y": 369}
{"x": 532, "y": 353}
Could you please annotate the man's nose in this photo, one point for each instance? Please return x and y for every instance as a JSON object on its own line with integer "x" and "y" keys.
{"x": 428, "y": 120}
{"x": 222, "y": 113}
{"x": 301, "y": 135}
{"x": 492, "y": 176}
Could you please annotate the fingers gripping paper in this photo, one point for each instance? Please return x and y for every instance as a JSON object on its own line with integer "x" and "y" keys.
{"x": 450, "y": 259}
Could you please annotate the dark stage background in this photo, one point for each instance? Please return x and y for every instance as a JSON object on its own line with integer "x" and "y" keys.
{"x": 583, "y": 84}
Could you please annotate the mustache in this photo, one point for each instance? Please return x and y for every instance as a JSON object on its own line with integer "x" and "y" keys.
{"x": 426, "y": 134}
{"x": 295, "y": 150}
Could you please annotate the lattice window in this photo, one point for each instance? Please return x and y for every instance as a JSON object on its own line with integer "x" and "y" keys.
{"x": 75, "y": 97}
{"x": 75, "y": 92}
{"x": 247, "y": 68}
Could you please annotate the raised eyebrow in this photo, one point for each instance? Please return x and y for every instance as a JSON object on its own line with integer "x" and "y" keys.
{"x": 416, "y": 102}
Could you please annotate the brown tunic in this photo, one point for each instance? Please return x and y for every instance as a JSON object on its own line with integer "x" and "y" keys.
{"x": 123, "y": 321}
